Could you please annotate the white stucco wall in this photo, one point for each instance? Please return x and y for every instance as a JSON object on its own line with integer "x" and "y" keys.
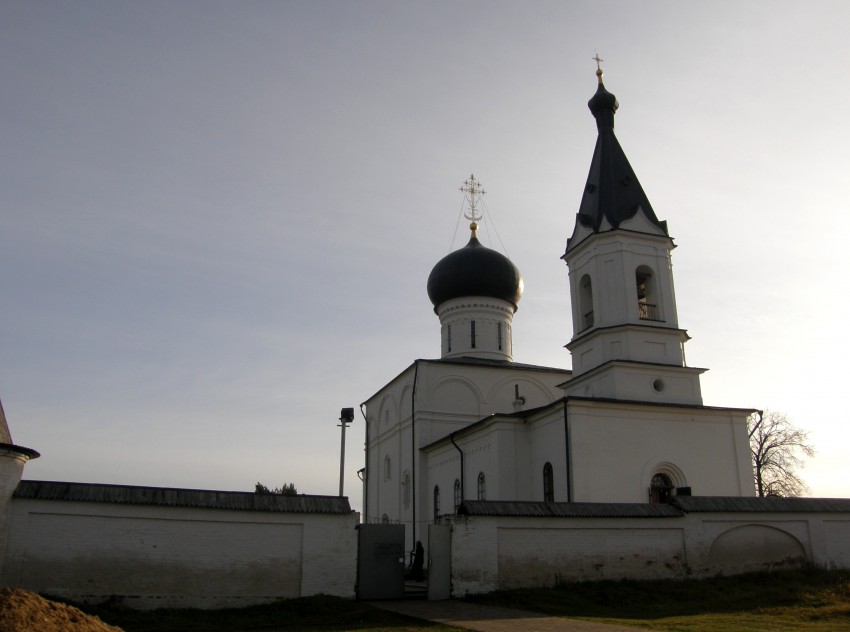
{"x": 510, "y": 452}
{"x": 154, "y": 556}
{"x": 11, "y": 468}
{"x": 616, "y": 449}
{"x": 449, "y": 396}
{"x": 492, "y": 553}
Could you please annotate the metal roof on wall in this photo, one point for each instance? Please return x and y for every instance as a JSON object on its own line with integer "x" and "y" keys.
{"x": 531, "y": 509}
{"x": 175, "y": 497}
{"x": 681, "y": 505}
{"x": 696, "y": 504}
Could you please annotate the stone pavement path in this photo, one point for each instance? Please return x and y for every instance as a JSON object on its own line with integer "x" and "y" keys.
{"x": 470, "y": 616}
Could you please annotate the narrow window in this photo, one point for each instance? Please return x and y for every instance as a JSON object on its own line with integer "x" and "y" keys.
{"x": 448, "y": 338}
{"x": 585, "y": 302}
{"x": 499, "y": 330}
{"x": 482, "y": 487}
{"x": 660, "y": 489}
{"x": 436, "y": 503}
{"x": 457, "y": 495}
{"x": 387, "y": 467}
{"x": 385, "y": 519}
{"x": 548, "y": 483}
{"x": 472, "y": 334}
{"x": 405, "y": 488}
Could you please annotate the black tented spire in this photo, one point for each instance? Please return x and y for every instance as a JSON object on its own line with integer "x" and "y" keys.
{"x": 612, "y": 193}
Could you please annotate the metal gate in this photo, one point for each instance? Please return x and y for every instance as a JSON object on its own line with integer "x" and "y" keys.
{"x": 380, "y": 561}
{"x": 439, "y": 562}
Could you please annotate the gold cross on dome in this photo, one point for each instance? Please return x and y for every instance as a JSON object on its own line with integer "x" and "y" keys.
{"x": 473, "y": 190}
{"x": 598, "y": 61}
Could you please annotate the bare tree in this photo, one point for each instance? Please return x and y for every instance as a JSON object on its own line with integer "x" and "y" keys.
{"x": 778, "y": 448}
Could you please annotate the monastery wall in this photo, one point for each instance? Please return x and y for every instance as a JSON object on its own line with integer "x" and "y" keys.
{"x": 499, "y": 553}
{"x": 157, "y": 557}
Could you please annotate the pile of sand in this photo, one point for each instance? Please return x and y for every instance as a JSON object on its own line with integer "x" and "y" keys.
{"x": 23, "y": 611}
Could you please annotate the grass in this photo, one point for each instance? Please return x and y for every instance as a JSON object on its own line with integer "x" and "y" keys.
{"x": 789, "y": 600}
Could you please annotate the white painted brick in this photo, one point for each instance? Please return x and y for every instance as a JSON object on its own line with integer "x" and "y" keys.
{"x": 153, "y": 556}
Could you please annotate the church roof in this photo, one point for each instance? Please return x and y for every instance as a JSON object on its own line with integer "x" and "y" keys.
{"x": 534, "y": 509}
{"x": 612, "y": 193}
{"x": 680, "y": 506}
{"x": 470, "y": 361}
{"x": 19, "y": 449}
{"x": 5, "y": 436}
{"x": 735, "y": 504}
{"x": 474, "y": 270}
{"x": 175, "y": 497}
{"x": 6, "y": 444}
{"x": 498, "y": 364}
{"x": 526, "y": 413}
{"x": 637, "y": 402}
{"x": 517, "y": 416}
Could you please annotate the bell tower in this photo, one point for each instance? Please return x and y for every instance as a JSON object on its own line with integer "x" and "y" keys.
{"x": 626, "y": 341}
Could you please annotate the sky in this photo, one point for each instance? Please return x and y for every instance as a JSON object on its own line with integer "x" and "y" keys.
{"x": 217, "y": 219}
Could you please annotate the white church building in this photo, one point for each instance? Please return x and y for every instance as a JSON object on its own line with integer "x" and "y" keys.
{"x": 626, "y": 425}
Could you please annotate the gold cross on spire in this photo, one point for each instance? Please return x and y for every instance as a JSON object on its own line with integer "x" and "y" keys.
{"x": 598, "y": 61}
{"x": 472, "y": 188}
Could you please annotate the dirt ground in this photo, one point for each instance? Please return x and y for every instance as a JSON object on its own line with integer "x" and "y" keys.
{"x": 23, "y": 611}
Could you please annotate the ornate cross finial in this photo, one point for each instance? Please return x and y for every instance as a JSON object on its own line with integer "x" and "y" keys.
{"x": 472, "y": 188}
{"x": 598, "y": 61}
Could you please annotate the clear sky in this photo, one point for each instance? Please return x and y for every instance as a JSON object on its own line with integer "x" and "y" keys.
{"x": 217, "y": 219}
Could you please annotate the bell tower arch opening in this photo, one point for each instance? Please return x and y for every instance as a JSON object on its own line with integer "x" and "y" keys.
{"x": 647, "y": 294}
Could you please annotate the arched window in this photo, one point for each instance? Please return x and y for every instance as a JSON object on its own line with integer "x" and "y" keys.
{"x": 647, "y": 294}
{"x": 458, "y": 496}
{"x": 548, "y": 483}
{"x": 585, "y": 301}
{"x": 660, "y": 489}
{"x": 482, "y": 487}
{"x": 405, "y": 488}
{"x": 436, "y": 503}
{"x": 387, "y": 468}
{"x": 385, "y": 519}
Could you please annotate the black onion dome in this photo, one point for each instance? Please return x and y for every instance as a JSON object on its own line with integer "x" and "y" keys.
{"x": 474, "y": 270}
{"x": 602, "y": 100}
{"x": 603, "y": 105}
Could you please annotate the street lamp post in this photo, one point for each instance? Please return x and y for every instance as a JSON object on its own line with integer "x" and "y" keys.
{"x": 346, "y": 416}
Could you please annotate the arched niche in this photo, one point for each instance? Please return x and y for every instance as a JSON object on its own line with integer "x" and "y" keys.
{"x": 456, "y": 395}
{"x": 755, "y": 547}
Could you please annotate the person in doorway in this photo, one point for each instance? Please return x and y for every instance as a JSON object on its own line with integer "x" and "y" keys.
{"x": 418, "y": 561}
